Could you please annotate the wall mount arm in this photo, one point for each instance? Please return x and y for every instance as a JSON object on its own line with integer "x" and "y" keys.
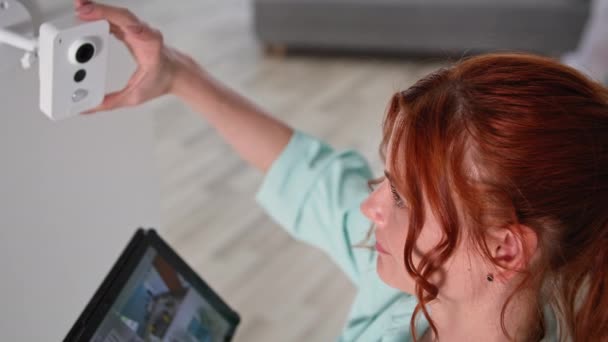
{"x": 16, "y": 31}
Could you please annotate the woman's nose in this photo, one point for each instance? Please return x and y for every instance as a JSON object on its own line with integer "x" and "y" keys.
{"x": 371, "y": 210}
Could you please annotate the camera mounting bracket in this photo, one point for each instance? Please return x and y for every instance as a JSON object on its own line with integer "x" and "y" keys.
{"x": 16, "y": 33}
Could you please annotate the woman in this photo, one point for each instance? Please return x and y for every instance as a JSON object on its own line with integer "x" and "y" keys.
{"x": 491, "y": 222}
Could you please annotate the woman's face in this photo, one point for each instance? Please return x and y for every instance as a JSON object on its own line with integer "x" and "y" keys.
{"x": 458, "y": 278}
{"x": 387, "y": 209}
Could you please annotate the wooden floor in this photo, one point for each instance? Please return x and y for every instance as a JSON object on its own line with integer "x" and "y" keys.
{"x": 284, "y": 291}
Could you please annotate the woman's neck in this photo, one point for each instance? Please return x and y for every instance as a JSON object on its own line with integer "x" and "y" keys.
{"x": 481, "y": 320}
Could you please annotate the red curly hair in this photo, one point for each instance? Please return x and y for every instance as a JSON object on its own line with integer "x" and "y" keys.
{"x": 538, "y": 131}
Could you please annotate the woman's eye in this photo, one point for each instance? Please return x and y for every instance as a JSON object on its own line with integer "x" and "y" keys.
{"x": 371, "y": 184}
{"x": 396, "y": 197}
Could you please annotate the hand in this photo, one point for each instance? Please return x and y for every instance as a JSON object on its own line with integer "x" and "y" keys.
{"x": 157, "y": 65}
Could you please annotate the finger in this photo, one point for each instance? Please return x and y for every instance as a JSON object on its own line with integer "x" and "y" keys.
{"x": 141, "y": 31}
{"x": 126, "y": 27}
{"x": 120, "y": 19}
{"x": 117, "y": 32}
{"x": 142, "y": 41}
{"x": 79, "y": 3}
{"x": 114, "y": 29}
{"x": 145, "y": 43}
{"x": 118, "y": 16}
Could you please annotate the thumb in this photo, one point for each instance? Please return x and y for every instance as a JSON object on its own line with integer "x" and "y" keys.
{"x": 111, "y": 101}
{"x": 125, "y": 97}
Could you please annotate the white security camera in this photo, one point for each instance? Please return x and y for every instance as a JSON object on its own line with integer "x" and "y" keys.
{"x": 72, "y": 56}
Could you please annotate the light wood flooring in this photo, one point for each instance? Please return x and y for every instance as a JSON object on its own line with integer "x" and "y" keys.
{"x": 284, "y": 291}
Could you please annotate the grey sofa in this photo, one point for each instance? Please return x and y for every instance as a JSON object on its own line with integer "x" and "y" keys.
{"x": 422, "y": 26}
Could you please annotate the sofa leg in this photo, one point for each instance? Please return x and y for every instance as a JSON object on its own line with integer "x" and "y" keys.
{"x": 275, "y": 50}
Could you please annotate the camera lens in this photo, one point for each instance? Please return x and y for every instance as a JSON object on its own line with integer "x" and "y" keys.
{"x": 80, "y": 75}
{"x": 85, "y": 52}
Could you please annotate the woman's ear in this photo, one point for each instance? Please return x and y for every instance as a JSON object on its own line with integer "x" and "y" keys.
{"x": 512, "y": 249}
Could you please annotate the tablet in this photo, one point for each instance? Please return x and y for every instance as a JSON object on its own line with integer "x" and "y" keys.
{"x": 151, "y": 294}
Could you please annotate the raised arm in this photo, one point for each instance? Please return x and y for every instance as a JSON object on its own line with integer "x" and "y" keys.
{"x": 256, "y": 136}
{"x": 311, "y": 190}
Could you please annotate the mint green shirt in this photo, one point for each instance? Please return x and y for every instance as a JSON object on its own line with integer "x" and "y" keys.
{"x": 314, "y": 192}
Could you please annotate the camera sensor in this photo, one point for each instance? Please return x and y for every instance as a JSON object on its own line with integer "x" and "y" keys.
{"x": 85, "y": 52}
{"x": 80, "y": 75}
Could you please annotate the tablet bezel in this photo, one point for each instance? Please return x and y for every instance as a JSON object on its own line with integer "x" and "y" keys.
{"x": 98, "y": 307}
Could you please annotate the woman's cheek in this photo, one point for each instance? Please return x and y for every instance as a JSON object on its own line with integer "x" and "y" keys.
{"x": 398, "y": 237}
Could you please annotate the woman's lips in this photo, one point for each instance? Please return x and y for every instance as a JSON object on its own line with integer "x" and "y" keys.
{"x": 380, "y": 249}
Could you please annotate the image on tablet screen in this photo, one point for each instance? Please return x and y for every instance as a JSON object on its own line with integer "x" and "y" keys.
{"x": 158, "y": 304}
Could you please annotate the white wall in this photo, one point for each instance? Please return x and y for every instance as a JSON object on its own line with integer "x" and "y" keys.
{"x": 71, "y": 195}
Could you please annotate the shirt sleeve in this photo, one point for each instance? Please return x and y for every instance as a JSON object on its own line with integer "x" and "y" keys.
{"x": 315, "y": 192}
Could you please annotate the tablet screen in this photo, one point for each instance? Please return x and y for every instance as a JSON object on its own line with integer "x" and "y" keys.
{"x": 158, "y": 304}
